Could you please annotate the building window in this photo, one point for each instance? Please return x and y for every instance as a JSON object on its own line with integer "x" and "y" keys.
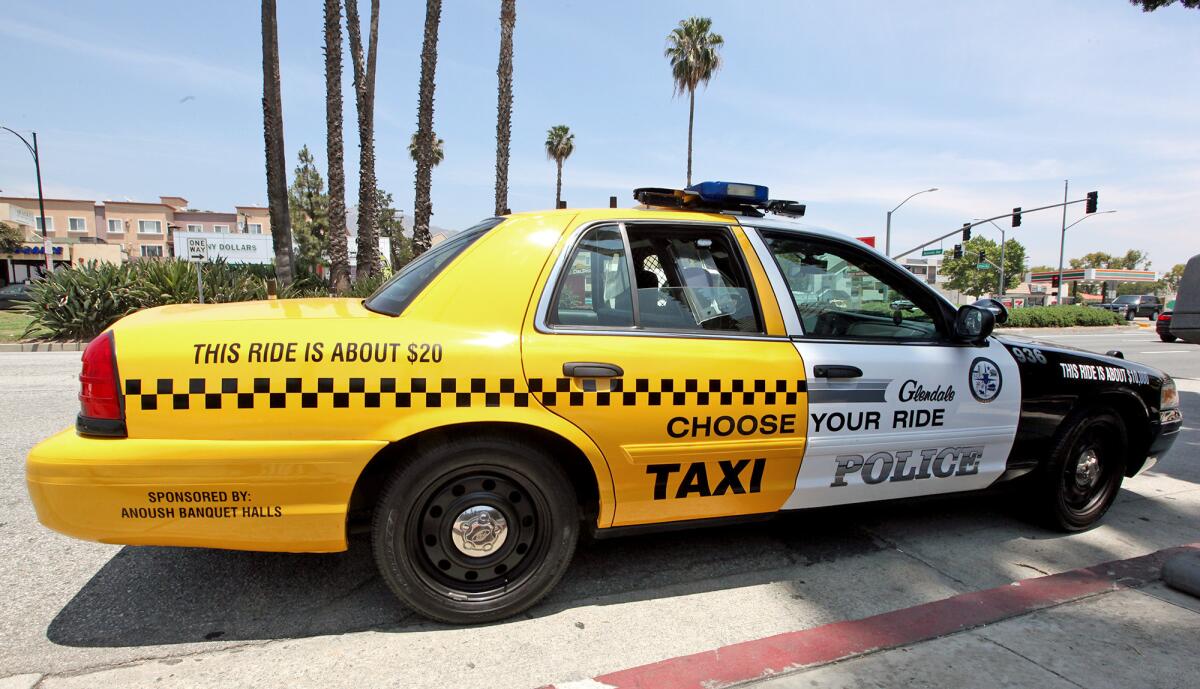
{"x": 77, "y": 224}
{"x": 116, "y": 226}
{"x": 150, "y": 227}
{"x": 37, "y": 221}
{"x": 195, "y": 228}
{"x": 220, "y": 228}
{"x": 152, "y": 251}
{"x": 255, "y": 228}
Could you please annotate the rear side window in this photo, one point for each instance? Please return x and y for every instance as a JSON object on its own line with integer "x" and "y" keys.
{"x": 396, "y": 294}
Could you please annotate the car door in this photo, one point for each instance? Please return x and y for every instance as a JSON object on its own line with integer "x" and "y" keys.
{"x": 896, "y": 408}
{"x": 656, "y": 340}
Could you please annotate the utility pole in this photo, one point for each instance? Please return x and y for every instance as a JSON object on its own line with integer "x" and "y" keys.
{"x": 37, "y": 166}
{"x": 1062, "y": 242}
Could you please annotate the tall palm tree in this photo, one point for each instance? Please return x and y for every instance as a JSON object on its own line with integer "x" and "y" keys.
{"x": 277, "y": 199}
{"x": 439, "y": 149}
{"x": 694, "y": 52}
{"x": 338, "y": 255}
{"x": 560, "y": 144}
{"x": 364, "y": 96}
{"x": 504, "y": 101}
{"x": 422, "y": 207}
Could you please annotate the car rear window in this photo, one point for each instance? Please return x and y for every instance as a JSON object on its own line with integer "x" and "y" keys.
{"x": 396, "y": 294}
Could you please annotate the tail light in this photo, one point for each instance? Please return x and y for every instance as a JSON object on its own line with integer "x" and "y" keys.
{"x": 1164, "y": 316}
{"x": 101, "y": 410}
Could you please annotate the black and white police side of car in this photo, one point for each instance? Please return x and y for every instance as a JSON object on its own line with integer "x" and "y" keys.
{"x": 884, "y": 388}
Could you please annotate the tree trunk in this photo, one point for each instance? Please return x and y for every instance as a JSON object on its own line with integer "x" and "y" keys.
{"x": 364, "y": 96}
{"x": 691, "y": 119}
{"x": 504, "y": 102}
{"x": 558, "y": 184}
{"x": 422, "y": 206}
{"x": 277, "y": 199}
{"x": 338, "y": 257}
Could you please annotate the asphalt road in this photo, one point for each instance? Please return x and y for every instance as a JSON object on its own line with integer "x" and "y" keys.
{"x": 79, "y": 614}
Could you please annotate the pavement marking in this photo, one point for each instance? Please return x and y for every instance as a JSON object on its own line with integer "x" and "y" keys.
{"x": 791, "y": 651}
{"x": 1167, "y": 351}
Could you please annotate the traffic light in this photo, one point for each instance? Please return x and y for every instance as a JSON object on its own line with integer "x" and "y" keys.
{"x": 1016, "y": 217}
{"x": 982, "y": 257}
{"x": 958, "y": 251}
{"x": 966, "y": 232}
{"x": 1093, "y": 200}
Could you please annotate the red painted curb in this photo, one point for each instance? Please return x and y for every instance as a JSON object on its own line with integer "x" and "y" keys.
{"x": 791, "y": 651}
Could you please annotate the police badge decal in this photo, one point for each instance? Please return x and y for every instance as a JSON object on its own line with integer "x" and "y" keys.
{"x": 985, "y": 379}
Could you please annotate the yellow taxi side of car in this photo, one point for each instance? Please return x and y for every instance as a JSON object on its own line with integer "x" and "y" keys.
{"x": 621, "y": 368}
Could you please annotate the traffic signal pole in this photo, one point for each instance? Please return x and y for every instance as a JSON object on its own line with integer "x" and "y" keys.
{"x": 1062, "y": 242}
{"x": 966, "y": 226}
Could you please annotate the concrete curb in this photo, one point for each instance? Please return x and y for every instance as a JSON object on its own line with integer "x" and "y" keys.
{"x": 42, "y": 346}
{"x": 808, "y": 648}
{"x": 1182, "y": 572}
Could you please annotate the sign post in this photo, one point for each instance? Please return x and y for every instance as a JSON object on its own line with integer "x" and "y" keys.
{"x": 198, "y": 254}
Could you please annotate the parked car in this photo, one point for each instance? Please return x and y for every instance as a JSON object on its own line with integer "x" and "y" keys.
{"x": 1185, "y": 316}
{"x": 11, "y": 295}
{"x": 1163, "y": 327}
{"x": 1134, "y": 305}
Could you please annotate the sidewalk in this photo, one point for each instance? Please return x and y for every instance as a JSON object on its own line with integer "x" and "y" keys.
{"x": 1113, "y": 624}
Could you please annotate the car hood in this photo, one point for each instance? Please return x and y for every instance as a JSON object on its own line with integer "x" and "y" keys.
{"x": 1076, "y": 353}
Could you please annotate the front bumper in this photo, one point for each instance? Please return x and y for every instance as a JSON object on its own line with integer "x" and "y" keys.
{"x": 283, "y": 496}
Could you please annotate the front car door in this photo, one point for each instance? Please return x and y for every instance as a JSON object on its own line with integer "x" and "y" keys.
{"x": 662, "y": 341}
{"x": 896, "y": 408}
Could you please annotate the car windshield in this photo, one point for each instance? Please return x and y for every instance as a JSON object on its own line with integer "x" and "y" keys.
{"x": 1127, "y": 299}
{"x": 396, "y": 294}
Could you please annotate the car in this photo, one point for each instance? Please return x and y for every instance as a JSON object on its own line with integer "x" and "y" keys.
{"x": 1185, "y": 318}
{"x": 699, "y": 359}
{"x": 1132, "y": 306}
{"x": 13, "y": 295}
{"x": 1163, "y": 327}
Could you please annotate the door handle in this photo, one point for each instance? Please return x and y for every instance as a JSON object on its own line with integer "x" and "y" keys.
{"x": 837, "y": 371}
{"x": 591, "y": 369}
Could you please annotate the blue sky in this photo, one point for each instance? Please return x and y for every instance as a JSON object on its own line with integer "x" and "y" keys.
{"x": 847, "y": 106}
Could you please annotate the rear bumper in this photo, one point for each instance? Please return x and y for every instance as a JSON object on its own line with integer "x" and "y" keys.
{"x": 245, "y": 495}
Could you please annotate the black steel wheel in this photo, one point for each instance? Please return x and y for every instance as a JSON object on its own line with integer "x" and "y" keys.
{"x": 475, "y": 530}
{"x": 1085, "y": 471}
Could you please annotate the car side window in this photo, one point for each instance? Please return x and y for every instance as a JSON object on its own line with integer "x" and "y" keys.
{"x": 594, "y": 290}
{"x": 691, "y": 278}
{"x": 844, "y": 294}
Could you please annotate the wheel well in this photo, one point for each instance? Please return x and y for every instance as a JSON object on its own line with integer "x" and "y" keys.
{"x": 374, "y": 476}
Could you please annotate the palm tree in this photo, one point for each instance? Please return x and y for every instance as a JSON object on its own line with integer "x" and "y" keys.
{"x": 560, "y": 144}
{"x": 277, "y": 199}
{"x": 338, "y": 255}
{"x": 439, "y": 149}
{"x": 694, "y": 52}
{"x": 364, "y": 96}
{"x": 422, "y": 207}
{"x": 504, "y": 101}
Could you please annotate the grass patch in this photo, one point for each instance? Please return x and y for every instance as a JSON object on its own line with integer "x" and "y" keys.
{"x": 12, "y": 324}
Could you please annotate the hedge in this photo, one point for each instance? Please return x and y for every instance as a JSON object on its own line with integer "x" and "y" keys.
{"x": 1060, "y": 317}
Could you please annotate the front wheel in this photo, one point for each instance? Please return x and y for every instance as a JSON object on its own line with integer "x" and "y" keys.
{"x": 475, "y": 530}
{"x": 1130, "y": 315}
{"x": 1084, "y": 473}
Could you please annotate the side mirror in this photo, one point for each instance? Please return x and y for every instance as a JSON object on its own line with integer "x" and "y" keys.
{"x": 997, "y": 307}
{"x": 974, "y": 323}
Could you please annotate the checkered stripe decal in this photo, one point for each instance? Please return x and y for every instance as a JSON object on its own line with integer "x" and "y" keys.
{"x": 404, "y": 393}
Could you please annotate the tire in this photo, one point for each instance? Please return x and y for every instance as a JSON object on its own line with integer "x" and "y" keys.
{"x": 1084, "y": 474}
{"x": 1166, "y": 337}
{"x": 485, "y": 573}
{"x": 1130, "y": 315}
{"x": 1153, "y": 316}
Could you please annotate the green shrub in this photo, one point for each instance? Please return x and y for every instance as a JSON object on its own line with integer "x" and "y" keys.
{"x": 1060, "y": 317}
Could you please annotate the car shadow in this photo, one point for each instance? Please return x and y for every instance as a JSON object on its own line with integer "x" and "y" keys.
{"x": 148, "y": 596}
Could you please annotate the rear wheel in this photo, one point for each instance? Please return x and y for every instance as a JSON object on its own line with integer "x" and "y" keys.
{"x": 475, "y": 530}
{"x": 1167, "y": 337}
{"x": 1153, "y": 315}
{"x": 1084, "y": 473}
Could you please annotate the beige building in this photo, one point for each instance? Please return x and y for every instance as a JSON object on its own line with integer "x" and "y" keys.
{"x": 113, "y": 231}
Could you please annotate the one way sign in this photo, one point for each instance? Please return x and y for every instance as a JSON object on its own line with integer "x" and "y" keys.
{"x": 197, "y": 249}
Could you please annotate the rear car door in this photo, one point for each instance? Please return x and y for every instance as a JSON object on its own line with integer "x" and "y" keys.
{"x": 651, "y": 338}
{"x": 896, "y": 408}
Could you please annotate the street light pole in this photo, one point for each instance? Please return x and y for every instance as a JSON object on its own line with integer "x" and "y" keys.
{"x": 887, "y": 237}
{"x": 37, "y": 166}
{"x": 1062, "y": 243}
{"x": 1064, "y": 239}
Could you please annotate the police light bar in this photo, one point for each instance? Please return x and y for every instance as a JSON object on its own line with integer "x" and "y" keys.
{"x": 724, "y": 192}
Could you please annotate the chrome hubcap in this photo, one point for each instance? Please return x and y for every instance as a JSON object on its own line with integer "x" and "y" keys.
{"x": 479, "y": 531}
{"x": 1087, "y": 469}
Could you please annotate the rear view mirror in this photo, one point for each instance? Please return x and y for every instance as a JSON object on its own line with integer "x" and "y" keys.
{"x": 974, "y": 323}
{"x": 998, "y": 309}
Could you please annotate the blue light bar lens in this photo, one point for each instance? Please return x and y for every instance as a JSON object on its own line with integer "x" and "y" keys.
{"x": 730, "y": 191}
